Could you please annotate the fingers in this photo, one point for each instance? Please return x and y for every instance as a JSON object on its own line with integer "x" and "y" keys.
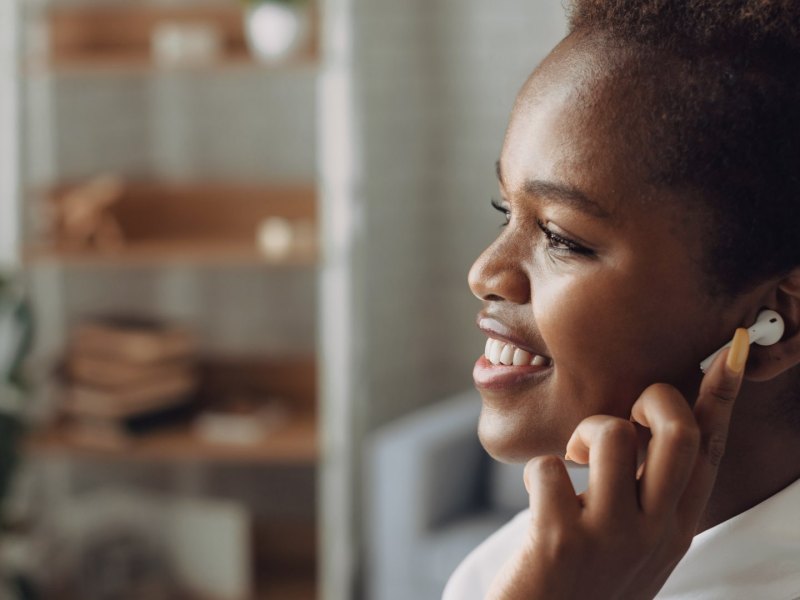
{"x": 550, "y": 490}
{"x": 712, "y": 412}
{"x": 608, "y": 444}
{"x": 684, "y": 451}
{"x": 673, "y": 447}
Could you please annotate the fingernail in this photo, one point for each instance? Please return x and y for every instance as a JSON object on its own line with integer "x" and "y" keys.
{"x": 737, "y": 355}
{"x": 566, "y": 456}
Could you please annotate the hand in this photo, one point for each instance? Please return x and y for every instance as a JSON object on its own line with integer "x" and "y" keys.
{"x": 624, "y": 535}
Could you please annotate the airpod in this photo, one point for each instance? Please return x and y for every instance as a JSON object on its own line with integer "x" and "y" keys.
{"x": 767, "y": 330}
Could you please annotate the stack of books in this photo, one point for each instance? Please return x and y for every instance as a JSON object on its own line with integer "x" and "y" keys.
{"x": 125, "y": 376}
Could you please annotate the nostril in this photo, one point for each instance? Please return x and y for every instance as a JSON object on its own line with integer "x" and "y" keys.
{"x": 496, "y": 277}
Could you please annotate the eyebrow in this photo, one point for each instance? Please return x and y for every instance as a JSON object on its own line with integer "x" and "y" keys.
{"x": 563, "y": 194}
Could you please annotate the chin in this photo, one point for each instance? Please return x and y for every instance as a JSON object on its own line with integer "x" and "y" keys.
{"x": 512, "y": 439}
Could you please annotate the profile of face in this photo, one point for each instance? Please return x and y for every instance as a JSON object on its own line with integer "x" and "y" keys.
{"x": 594, "y": 272}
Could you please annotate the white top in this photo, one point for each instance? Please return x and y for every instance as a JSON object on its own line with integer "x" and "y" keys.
{"x": 754, "y": 555}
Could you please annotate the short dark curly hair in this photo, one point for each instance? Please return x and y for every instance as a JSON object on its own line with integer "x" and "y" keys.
{"x": 721, "y": 79}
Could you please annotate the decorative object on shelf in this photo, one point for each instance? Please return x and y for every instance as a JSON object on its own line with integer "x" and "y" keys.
{"x": 275, "y": 237}
{"x": 242, "y": 420}
{"x": 279, "y": 237}
{"x": 125, "y": 376}
{"x": 225, "y": 383}
{"x": 202, "y": 221}
{"x": 140, "y": 35}
{"x": 186, "y": 44}
{"x": 84, "y": 218}
{"x": 275, "y": 29}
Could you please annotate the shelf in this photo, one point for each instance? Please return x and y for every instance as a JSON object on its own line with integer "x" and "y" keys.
{"x": 145, "y": 67}
{"x": 294, "y": 444}
{"x": 185, "y": 223}
{"x": 98, "y": 39}
{"x": 178, "y": 252}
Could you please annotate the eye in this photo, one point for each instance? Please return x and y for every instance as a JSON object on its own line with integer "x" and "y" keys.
{"x": 500, "y": 207}
{"x": 559, "y": 244}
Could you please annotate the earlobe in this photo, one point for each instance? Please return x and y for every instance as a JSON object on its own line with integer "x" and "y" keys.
{"x": 768, "y": 362}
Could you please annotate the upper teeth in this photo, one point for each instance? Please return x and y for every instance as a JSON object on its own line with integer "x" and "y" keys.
{"x": 502, "y": 353}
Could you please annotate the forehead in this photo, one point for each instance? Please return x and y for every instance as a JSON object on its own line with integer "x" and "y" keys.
{"x": 568, "y": 126}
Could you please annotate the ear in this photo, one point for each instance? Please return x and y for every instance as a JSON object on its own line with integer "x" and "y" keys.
{"x": 767, "y": 362}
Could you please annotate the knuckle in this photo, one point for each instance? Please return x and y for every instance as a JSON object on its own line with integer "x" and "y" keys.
{"x": 557, "y": 542}
{"x": 617, "y": 430}
{"x": 723, "y": 392}
{"x": 663, "y": 389}
{"x": 544, "y": 467}
{"x": 660, "y": 392}
{"x": 683, "y": 437}
{"x": 714, "y": 447}
{"x": 561, "y": 540}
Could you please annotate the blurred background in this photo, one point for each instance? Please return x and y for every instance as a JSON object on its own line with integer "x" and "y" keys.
{"x": 236, "y": 339}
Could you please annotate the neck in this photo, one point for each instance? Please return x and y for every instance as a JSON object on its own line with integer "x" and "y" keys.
{"x": 758, "y": 463}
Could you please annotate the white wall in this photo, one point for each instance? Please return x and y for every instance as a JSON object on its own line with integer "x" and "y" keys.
{"x": 243, "y": 124}
{"x": 428, "y": 87}
{"x": 436, "y": 83}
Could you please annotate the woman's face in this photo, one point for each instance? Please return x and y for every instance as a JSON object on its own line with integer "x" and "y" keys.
{"x": 605, "y": 286}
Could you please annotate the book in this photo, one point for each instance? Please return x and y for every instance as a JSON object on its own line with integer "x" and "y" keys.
{"x": 117, "y": 434}
{"x": 127, "y": 401}
{"x": 113, "y": 373}
{"x": 241, "y": 428}
{"x": 131, "y": 339}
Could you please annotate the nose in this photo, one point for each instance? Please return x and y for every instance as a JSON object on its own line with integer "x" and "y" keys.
{"x": 497, "y": 276}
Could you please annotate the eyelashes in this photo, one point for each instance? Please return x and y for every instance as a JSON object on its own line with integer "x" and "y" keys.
{"x": 556, "y": 242}
{"x": 561, "y": 244}
{"x": 497, "y": 205}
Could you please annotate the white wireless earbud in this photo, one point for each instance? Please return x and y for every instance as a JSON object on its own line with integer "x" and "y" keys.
{"x": 767, "y": 330}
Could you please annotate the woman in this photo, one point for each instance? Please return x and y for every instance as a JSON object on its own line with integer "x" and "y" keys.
{"x": 650, "y": 184}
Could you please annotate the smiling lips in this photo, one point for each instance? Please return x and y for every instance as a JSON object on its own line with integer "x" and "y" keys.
{"x": 509, "y": 360}
{"x": 499, "y": 352}
{"x": 505, "y": 367}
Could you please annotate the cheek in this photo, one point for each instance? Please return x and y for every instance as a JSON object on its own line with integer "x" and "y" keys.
{"x": 610, "y": 337}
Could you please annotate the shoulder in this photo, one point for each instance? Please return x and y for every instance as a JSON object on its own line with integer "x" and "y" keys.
{"x": 474, "y": 575}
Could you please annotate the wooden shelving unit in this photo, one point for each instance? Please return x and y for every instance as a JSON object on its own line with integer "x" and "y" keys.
{"x": 146, "y": 254}
{"x": 145, "y": 67}
{"x": 294, "y": 443}
{"x": 87, "y": 39}
{"x": 198, "y": 223}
